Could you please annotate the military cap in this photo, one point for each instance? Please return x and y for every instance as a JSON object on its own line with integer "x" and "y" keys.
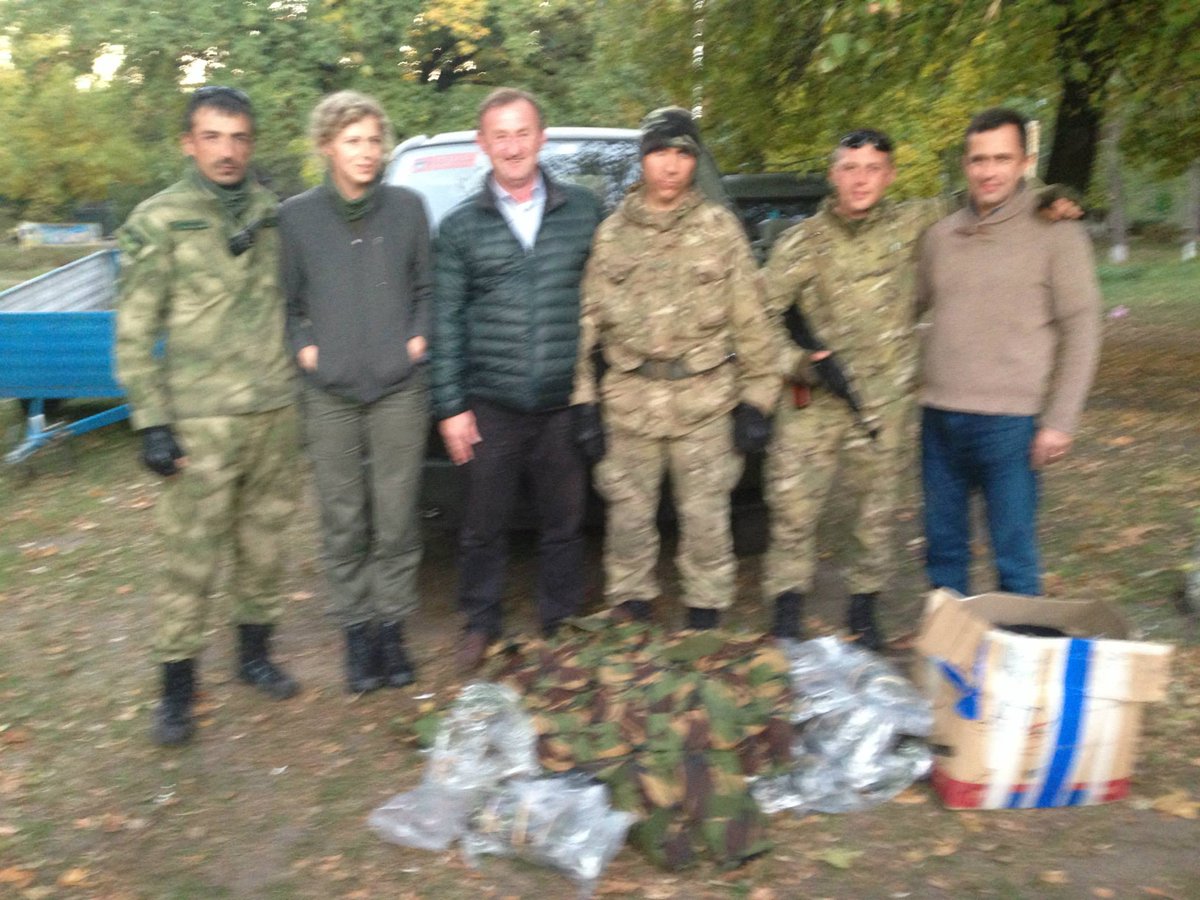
{"x": 670, "y": 126}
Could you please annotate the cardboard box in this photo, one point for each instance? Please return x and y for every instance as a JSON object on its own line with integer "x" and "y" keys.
{"x": 1023, "y": 721}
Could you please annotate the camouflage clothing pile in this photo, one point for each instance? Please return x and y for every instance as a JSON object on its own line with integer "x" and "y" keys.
{"x": 673, "y": 724}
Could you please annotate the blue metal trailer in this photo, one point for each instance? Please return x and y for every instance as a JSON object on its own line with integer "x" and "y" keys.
{"x": 57, "y": 335}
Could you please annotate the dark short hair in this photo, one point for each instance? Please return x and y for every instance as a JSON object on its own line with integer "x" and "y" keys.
{"x": 863, "y": 137}
{"x": 506, "y": 96}
{"x": 996, "y": 117}
{"x": 228, "y": 100}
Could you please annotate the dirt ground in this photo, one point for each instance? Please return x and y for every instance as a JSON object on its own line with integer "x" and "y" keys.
{"x": 271, "y": 799}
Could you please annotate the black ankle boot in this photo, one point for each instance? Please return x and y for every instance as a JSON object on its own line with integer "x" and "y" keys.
{"x": 702, "y": 619}
{"x": 861, "y": 621}
{"x": 394, "y": 665}
{"x": 789, "y": 607}
{"x": 255, "y": 666}
{"x": 362, "y": 673}
{"x": 632, "y": 611}
{"x": 173, "y": 723}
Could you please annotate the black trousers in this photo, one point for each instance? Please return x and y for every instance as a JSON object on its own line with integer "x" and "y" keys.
{"x": 539, "y": 447}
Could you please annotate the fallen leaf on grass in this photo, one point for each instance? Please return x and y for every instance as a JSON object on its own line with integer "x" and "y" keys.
{"x": 1054, "y": 876}
{"x": 41, "y": 552}
{"x": 7, "y": 830}
{"x": 1122, "y": 440}
{"x": 622, "y": 888}
{"x": 125, "y": 589}
{"x": 947, "y": 847}
{"x": 1177, "y": 803}
{"x": 837, "y": 857}
{"x": 911, "y": 796}
{"x": 1103, "y": 892}
{"x": 73, "y": 878}
{"x": 762, "y": 893}
{"x": 15, "y": 736}
{"x": 22, "y": 878}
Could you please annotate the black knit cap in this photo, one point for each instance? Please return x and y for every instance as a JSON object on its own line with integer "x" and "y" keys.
{"x": 670, "y": 126}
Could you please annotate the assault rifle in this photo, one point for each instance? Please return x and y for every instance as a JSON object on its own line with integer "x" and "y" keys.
{"x": 829, "y": 369}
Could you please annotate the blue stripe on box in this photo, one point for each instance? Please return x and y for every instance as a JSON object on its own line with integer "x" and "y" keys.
{"x": 1071, "y": 722}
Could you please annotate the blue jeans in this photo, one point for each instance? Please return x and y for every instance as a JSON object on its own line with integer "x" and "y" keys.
{"x": 963, "y": 452}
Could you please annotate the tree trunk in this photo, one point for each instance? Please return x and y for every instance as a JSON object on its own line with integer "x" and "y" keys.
{"x": 1118, "y": 222}
{"x": 1191, "y": 232}
{"x": 1076, "y": 135}
{"x": 1086, "y": 61}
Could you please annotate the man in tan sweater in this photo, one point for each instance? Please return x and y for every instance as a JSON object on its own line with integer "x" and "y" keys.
{"x": 1013, "y": 341}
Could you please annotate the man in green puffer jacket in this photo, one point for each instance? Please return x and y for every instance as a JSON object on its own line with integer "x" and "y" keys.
{"x": 506, "y": 324}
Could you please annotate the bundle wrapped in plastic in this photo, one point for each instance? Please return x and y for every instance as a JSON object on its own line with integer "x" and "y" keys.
{"x": 858, "y": 728}
{"x": 485, "y": 738}
{"x": 561, "y": 821}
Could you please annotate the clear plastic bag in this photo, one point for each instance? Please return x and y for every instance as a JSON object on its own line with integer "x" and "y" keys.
{"x": 858, "y": 724}
{"x": 561, "y": 821}
{"x": 483, "y": 739}
{"x": 431, "y": 817}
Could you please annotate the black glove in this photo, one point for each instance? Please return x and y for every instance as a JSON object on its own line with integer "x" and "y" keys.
{"x": 588, "y": 430}
{"x": 159, "y": 450}
{"x": 751, "y": 429}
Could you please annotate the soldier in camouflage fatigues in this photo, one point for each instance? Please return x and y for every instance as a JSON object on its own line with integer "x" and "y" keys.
{"x": 673, "y": 299}
{"x": 850, "y": 268}
{"x": 200, "y": 273}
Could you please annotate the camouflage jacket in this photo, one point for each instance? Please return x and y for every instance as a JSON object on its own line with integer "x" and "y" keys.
{"x": 677, "y": 289}
{"x": 855, "y": 282}
{"x": 672, "y": 723}
{"x": 220, "y": 317}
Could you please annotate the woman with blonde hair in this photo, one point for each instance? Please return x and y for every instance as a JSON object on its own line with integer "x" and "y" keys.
{"x": 357, "y": 279}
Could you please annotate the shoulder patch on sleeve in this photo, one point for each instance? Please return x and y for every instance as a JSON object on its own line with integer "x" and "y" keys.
{"x": 188, "y": 225}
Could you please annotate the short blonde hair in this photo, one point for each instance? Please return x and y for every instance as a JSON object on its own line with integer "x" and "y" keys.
{"x": 337, "y": 111}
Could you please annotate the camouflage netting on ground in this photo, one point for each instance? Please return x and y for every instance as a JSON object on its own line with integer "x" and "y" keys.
{"x": 672, "y": 723}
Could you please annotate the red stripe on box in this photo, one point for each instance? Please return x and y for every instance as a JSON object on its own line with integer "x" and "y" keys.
{"x": 970, "y": 795}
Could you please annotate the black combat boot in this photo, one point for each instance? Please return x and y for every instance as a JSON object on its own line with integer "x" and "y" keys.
{"x": 789, "y": 607}
{"x": 395, "y": 668}
{"x": 255, "y": 666}
{"x": 702, "y": 619}
{"x": 362, "y": 673}
{"x": 861, "y": 621}
{"x": 632, "y": 611}
{"x": 173, "y": 723}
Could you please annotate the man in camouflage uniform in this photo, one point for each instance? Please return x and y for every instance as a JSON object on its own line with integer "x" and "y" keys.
{"x": 851, "y": 270}
{"x": 200, "y": 273}
{"x": 671, "y": 294}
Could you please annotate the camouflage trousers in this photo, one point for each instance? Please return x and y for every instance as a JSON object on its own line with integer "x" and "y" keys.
{"x": 800, "y": 468}
{"x": 704, "y": 468}
{"x": 238, "y": 488}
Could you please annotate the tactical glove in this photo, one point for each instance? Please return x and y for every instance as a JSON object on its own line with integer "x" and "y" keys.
{"x": 160, "y": 450}
{"x": 588, "y": 430}
{"x": 751, "y": 429}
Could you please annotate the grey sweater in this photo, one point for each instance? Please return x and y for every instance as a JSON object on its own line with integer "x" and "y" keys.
{"x": 357, "y": 290}
{"x": 1014, "y": 321}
